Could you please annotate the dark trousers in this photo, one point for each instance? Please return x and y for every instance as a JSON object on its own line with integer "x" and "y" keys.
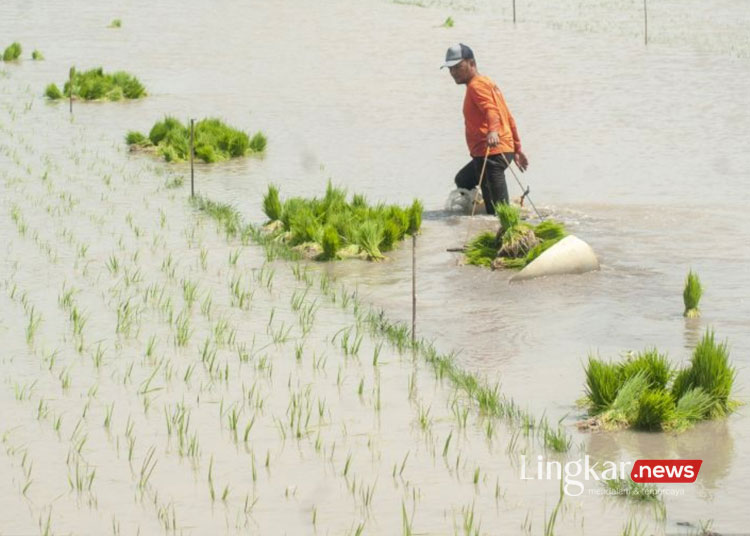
{"x": 494, "y": 187}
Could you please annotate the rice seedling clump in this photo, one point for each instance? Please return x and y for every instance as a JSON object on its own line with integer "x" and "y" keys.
{"x": 12, "y": 52}
{"x": 95, "y": 84}
{"x": 37, "y": 56}
{"x": 516, "y": 244}
{"x": 214, "y": 141}
{"x": 333, "y": 227}
{"x": 646, "y": 392}
{"x": 691, "y": 295}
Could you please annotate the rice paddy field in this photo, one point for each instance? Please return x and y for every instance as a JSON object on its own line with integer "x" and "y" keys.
{"x": 159, "y": 375}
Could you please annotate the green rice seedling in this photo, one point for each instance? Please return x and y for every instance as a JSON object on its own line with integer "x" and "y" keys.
{"x": 370, "y": 238}
{"x": 656, "y": 366}
{"x": 448, "y": 23}
{"x": 415, "y": 216}
{"x": 189, "y": 291}
{"x": 331, "y": 243}
{"x": 482, "y": 249}
{"x": 550, "y": 230}
{"x": 116, "y": 23}
{"x": 272, "y": 203}
{"x": 234, "y": 257}
{"x": 12, "y": 52}
{"x": 635, "y": 491}
{"x": 624, "y": 408}
{"x": 32, "y": 325}
{"x": 557, "y": 439}
{"x": 710, "y": 370}
{"x": 508, "y": 215}
{"x": 174, "y": 182}
{"x": 691, "y": 295}
{"x": 603, "y": 381}
{"x": 655, "y": 408}
{"x": 182, "y": 328}
{"x": 694, "y": 405}
{"x": 136, "y": 138}
{"x": 113, "y": 265}
{"x": 37, "y": 56}
{"x": 147, "y": 468}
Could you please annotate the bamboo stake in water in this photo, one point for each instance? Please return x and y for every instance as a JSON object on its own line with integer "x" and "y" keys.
{"x": 413, "y": 288}
{"x": 645, "y": 22}
{"x": 514, "y": 11}
{"x": 192, "y": 170}
{"x": 71, "y": 75}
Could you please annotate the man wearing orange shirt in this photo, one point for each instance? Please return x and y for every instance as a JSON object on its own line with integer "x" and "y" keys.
{"x": 489, "y": 125}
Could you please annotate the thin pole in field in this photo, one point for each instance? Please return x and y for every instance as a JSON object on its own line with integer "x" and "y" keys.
{"x": 645, "y": 22}
{"x": 71, "y": 75}
{"x": 514, "y": 11}
{"x": 192, "y": 170}
{"x": 413, "y": 288}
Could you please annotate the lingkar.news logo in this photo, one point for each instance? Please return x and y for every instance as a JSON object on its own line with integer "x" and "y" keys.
{"x": 575, "y": 473}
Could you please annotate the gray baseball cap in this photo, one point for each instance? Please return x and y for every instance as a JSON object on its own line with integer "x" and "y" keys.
{"x": 456, "y": 53}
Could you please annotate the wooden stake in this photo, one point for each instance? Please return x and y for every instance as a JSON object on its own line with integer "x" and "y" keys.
{"x": 645, "y": 22}
{"x": 192, "y": 170}
{"x": 413, "y": 288}
{"x": 514, "y": 11}
{"x": 71, "y": 75}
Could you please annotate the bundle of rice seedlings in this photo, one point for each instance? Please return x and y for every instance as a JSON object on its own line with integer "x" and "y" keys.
{"x": 655, "y": 409}
{"x": 95, "y": 84}
{"x": 116, "y": 23}
{"x": 694, "y": 405}
{"x": 509, "y": 216}
{"x": 272, "y": 203}
{"x": 415, "y": 217}
{"x": 304, "y": 227}
{"x": 517, "y": 242}
{"x": 654, "y": 365}
{"x": 12, "y": 52}
{"x": 258, "y": 142}
{"x": 52, "y": 92}
{"x": 691, "y": 295}
{"x": 213, "y": 140}
{"x": 603, "y": 380}
{"x": 330, "y": 242}
{"x": 624, "y": 408}
{"x": 391, "y": 235}
{"x": 710, "y": 370}
{"x": 37, "y": 56}
{"x": 482, "y": 249}
{"x": 136, "y": 138}
{"x": 550, "y": 230}
{"x": 370, "y": 238}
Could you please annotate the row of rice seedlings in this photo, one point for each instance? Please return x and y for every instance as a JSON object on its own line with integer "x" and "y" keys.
{"x": 214, "y": 141}
{"x": 333, "y": 228}
{"x": 516, "y": 243}
{"x": 488, "y": 399}
{"x": 95, "y": 84}
{"x": 645, "y": 391}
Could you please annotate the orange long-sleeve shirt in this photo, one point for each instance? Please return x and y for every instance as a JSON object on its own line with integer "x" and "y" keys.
{"x": 484, "y": 111}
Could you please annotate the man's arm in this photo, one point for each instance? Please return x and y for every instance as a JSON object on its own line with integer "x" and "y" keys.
{"x": 519, "y": 158}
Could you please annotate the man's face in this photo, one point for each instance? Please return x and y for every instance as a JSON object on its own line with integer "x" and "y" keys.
{"x": 461, "y": 72}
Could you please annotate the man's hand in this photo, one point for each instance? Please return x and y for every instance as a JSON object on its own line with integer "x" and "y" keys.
{"x": 493, "y": 139}
{"x": 521, "y": 161}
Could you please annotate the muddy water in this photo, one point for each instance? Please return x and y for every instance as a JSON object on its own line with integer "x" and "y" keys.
{"x": 641, "y": 151}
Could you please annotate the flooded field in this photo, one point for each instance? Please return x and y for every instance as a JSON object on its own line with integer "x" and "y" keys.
{"x": 159, "y": 376}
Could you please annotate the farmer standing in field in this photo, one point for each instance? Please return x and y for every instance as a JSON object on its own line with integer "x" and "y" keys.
{"x": 490, "y": 129}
